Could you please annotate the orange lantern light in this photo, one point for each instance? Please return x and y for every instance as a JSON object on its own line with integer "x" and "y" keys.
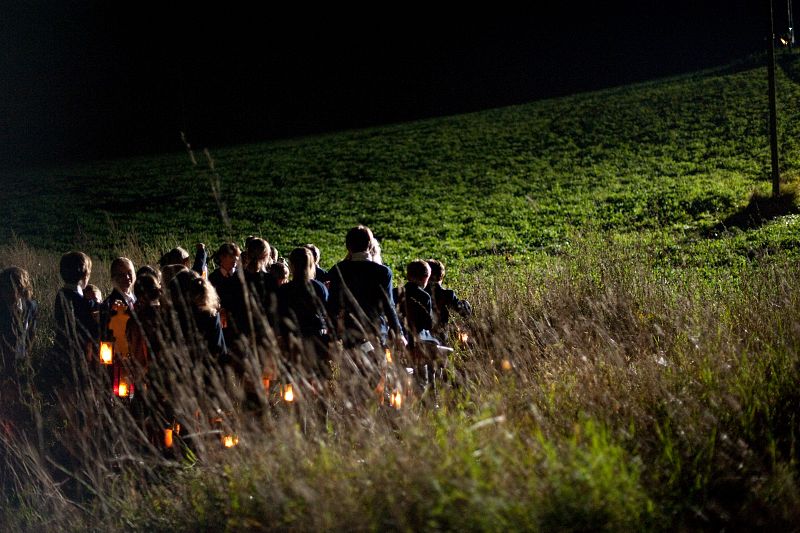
{"x": 229, "y": 441}
{"x": 396, "y": 399}
{"x": 106, "y": 352}
{"x": 168, "y": 437}
{"x": 464, "y": 336}
{"x": 388, "y": 356}
{"x": 265, "y": 382}
{"x": 288, "y": 393}
{"x": 505, "y": 364}
{"x": 123, "y": 390}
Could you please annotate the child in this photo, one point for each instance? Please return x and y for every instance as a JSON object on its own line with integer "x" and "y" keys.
{"x": 444, "y": 300}
{"x": 360, "y": 302}
{"x": 179, "y": 256}
{"x": 280, "y": 272}
{"x": 226, "y": 282}
{"x": 93, "y": 293}
{"x": 320, "y": 274}
{"x": 414, "y": 303}
{"x": 197, "y": 306}
{"x": 18, "y": 312}
{"x": 76, "y": 329}
{"x": 262, "y": 284}
{"x": 123, "y": 277}
{"x": 301, "y": 308}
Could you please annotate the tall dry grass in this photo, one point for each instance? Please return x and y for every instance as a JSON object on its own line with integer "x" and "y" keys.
{"x": 594, "y": 391}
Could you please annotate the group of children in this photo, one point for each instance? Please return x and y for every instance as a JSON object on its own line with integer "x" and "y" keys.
{"x": 252, "y": 296}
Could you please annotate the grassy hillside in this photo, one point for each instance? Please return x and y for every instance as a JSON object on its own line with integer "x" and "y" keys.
{"x": 674, "y": 157}
{"x": 632, "y": 363}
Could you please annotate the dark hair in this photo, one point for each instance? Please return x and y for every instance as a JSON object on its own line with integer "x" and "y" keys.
{"x": 279, "y": 270}
{"x": 147, "y": 269}
{"x": 168, "y": 272}
{"x": 258, "y": 253}
{"x": 147, "y": 288}
{"x": 74, "y": 266}
{"x": 228, "y": 248}
{"x": 301, "y": 263}
{"x": 437, "y": 270}
{"x": 358, "y": 239}
{"x": 417, "y": 270}
{"x": 15, "y": 283}
{"x": 176, "y": 256}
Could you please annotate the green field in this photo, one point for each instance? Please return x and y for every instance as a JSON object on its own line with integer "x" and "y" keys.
{"x": 634, "y": 357}
{"x": 673, "y": 157}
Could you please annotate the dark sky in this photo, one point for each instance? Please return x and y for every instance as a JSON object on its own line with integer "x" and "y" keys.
{"x": 88, "y": 80}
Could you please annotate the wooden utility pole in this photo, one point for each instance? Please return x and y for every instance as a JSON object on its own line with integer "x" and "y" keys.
{"x": 773, "y": 108}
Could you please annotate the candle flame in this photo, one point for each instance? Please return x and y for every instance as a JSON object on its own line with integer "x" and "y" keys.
{"x": 388, "y": 356}
{"x": 288, "y": 393}
{"x": 396, "y": 399}
{"x": 106, "y": 353}
{"x": 168, "y": 437}
{"x": 229, "y": 441}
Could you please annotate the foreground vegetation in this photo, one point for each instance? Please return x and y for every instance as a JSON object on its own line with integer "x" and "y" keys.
{"x": 632, "y": 362}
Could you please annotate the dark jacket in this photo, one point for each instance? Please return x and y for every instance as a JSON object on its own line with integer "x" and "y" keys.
{"x": 445, "y": 300}
{"x": 301, "y": 308}
{"x": 74, "y": 320}
{"x": 415, "y": 309}
{"x": 17, "y": 329}
{"x": 361, "y": 291}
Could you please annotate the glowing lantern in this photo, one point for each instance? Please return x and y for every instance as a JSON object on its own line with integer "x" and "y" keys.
{"x": 229, "y": 441}
{"x": 106, "y": 352}
{"x": 388, "y": 356}
{"x": 265, "y": 382}
{"x": 168, "y": 437}
{"x": 396, "y": 399}
{"x": 505, "y": 364}
{"x": 288, "y": 393}
{"x": 464, "y": 336}
{"x": 123, "y": 389}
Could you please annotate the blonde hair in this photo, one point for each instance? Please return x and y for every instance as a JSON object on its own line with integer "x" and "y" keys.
{"x": 15, "y": 284}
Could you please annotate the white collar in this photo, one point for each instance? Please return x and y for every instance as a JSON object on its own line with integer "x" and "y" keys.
{"x": 74, "y": 287}
{"x": 360, "y": 256}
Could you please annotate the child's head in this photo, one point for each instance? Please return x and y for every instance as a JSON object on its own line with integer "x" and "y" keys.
{"x": 168, "y": 272}
{"x": 227, "y": 256}
{"x": 92, "y": 293}
{"x": 195, "y": 291}
{"x": 418, "y": 272}
{"x": 147, "y": 289}
{"x": 15, "y": 285}
{"x": 358, "y": 239}
{"x": 258, "y": 257}
{"x": 75, "y": 268}
{"x": 314, "y": 253}
{"x": 301, "y": 264}
{"x": 280, "y": 272}
{"x": 273, "y": 254}
{"x": 122, "y": 274}
{"x": 176, "y": 256}
{"x": 375, "y": 251}
{"x": 147, "y": 269}
{"x": 437, "y": 270}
